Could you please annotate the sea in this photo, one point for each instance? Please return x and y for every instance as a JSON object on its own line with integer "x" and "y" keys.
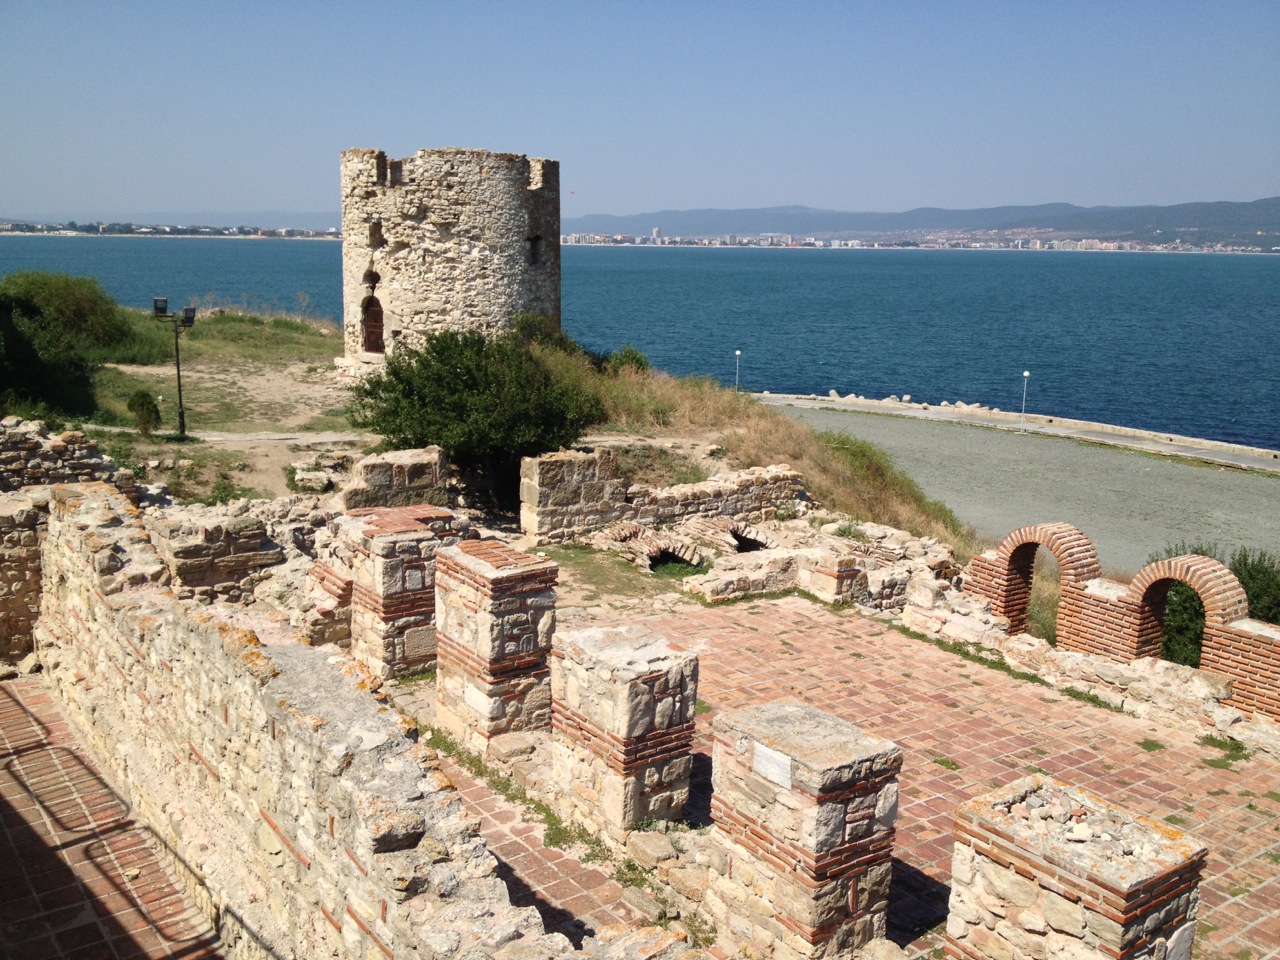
{"x": 1175, "y": 343}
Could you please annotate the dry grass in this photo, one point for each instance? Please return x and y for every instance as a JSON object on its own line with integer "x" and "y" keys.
{"x": 840, "y": 472}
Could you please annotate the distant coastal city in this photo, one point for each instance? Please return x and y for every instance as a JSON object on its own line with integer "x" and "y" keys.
{"x": 949, "y": 240}
{"x": 1019, "y": 239}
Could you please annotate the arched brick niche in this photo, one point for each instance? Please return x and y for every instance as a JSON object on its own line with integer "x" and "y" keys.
{"x": 1004, "y": 574}
{"x": 1124, "y": 623}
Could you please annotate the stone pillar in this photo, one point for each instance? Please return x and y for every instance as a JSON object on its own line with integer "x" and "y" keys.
{"x": 495, "y": 614}
{"x": 375, "y": 569}
{"x": 623, "y": 703}
{"x": 1043, "y": 869}
{"x": 806, "y": 804}
{"x": 22, "y": 522}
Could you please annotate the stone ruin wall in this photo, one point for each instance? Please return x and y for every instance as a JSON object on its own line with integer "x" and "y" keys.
{"x": 461, "y": 239}
{"x": 298, "y": 808}
{"x": 30, "y": 460}
{"x": 570, "y": 495}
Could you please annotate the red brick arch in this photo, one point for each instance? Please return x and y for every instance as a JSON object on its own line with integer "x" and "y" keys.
{"x": 1223, "y": 598}
{"x": 1005, "y": 574}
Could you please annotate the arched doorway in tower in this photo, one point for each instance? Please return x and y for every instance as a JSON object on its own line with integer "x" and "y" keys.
{"x": 371, "y": 327}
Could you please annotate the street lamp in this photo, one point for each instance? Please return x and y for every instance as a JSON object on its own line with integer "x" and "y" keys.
{"x": 1026, "y": 375}
{"x": 181, "y": 321}
{"x": 737, "y": 367}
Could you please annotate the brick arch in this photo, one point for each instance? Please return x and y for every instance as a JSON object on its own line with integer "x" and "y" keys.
{"x": 1223, "y": 598}
{"x": 1076, "y": 555}
{"x": 1004, "y": 574}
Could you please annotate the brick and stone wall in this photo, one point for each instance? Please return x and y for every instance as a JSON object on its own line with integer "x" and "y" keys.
{"x": 1101, "y": 617}
{"x": 623, "y": 705}
{"x": 373, "y": 584}
{"x": 495, "y": 616}
{"x": 211, "y": 554}
{"x": 570, "y": 495}
{"x": 1041, "y": 869}
{"x": 30, "y": 456}
{"x": 22, "y": 521}
{"x": 297, "y": 807}
{"x": 806, "y": 805}
{"x": 459, "y": 240}
{"x": 399, "y": 478}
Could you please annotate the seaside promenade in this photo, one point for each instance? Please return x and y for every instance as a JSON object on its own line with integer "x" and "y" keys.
{"x": 1132, "y": 492}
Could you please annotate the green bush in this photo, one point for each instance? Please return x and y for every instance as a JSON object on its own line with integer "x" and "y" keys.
{"x": 145, "y": 410}
{"x": 48, "y": 324}
{"x": 627, "y": 357}
{"x": 486, "y": 403}
{"x": 1259, "y": 574}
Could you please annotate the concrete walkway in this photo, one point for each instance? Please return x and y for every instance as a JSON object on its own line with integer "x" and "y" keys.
{"x": 1130, "y": 504}
{"x": 79, "y": 878}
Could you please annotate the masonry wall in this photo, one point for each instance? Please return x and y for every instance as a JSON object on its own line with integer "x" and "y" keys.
{"x": 29, "y": 456}
{"x": 22, "y": 521}
{"x": 299, "y": 809}
{"x": 570, "y": 495}
{"x": 461, "y": 240}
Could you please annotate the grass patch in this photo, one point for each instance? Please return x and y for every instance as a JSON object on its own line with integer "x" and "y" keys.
{"x": 946, "y": 763}
{"x": 605, "y": 574}
{"x": 1151, "y": 746}
{"x": 1233, "y": 751}
{"x": 678, "y": 569}
{"x": 1092, "y": 699}
{"x": 423, "y": 676}
{"x": 631, "y": 874}
{"x": 702, "y": 707}
{"x": 658, "y": 466}
{"x": 1176, "y": 820}
{"x": 974, "y": 653}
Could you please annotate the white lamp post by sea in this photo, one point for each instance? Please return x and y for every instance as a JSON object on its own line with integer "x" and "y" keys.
{"x": 1026, "y": 375}
{"x": 737, "y": 367}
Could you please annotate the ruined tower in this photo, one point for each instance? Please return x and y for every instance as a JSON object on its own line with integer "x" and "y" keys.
{"x": 444, "y": 240}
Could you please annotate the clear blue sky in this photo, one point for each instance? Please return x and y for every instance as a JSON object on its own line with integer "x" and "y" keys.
{"x": 112, "y": 110}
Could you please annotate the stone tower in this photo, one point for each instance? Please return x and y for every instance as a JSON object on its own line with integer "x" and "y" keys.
{"x": 444, "y": 240}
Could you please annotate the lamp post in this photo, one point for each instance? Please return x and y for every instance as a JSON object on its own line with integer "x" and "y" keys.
{"x": 181, "y": 321}
{"x": 737, "y": 367}
{"x": 1026, "y": 375}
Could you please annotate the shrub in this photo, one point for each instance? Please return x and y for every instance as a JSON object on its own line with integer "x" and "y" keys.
{"x": 486, "y": 403}
{"x": 47, "y": 323}
{"x": 145, "y": 410}
{"x": 627, "y": 357}
{"x": 1259, "y": 574}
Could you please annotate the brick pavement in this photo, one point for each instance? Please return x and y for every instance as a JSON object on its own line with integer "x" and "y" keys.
{"x": 966, "y": 728}
{"x": 79, "y": 879}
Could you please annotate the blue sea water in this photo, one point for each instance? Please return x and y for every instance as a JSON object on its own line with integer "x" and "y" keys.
{"x": 1186, "y": 344}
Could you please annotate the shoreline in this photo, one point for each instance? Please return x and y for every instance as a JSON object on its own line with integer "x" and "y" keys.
{"x": 1215, "y": 452}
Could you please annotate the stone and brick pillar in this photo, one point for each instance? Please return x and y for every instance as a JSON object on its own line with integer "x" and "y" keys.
{"x": 623, "y": 703}
{"x": 495, "y": 615}
{"x": 1043, "y": 869}
{"x": 806, "y": 804}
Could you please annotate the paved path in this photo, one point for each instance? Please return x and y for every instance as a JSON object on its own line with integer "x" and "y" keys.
{"x": 1130, "y": 504}
{"x": 79, "y": 879}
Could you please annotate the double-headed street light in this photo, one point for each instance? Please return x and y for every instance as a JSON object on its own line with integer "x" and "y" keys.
{"x": 181, "y": 321}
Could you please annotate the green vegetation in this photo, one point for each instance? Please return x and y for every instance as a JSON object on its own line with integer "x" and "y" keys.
{"x": 946, "y": 763}
{"x": 49, "y": 324}
{"x": 146, "y": 413}
{"x": 1233, "y": 751}
{"x": 658, "y": 466}
{"x": 1259, "y": 574}
{"x": 1151, "y": 746}
{"x": 486, "y": 403}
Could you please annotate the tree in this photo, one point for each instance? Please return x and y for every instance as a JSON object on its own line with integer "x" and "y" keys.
{"x": 486, "y": 403}
{"x": 145, "y": 410}
{"x": 47, "y": 320}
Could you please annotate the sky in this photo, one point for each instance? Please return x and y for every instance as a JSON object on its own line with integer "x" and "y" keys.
{"x": 113, "y": 110}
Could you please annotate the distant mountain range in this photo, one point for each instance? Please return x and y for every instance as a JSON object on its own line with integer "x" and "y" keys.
{"x": 1200, "y": 222}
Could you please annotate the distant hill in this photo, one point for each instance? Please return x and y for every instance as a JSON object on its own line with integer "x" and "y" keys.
{"x": 1205, "y": 222}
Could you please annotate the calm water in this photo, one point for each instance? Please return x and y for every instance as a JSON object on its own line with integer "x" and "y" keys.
{"x": 1178, "y": 343}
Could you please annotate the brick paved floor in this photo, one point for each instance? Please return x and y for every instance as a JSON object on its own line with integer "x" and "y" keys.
{"x": 988, "y": 729}
{"x": 574, "y": 898}
{"x": 79, "y": 880}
